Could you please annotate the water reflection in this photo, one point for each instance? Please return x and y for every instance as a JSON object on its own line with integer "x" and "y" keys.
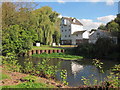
{"x": 77, "y": 69}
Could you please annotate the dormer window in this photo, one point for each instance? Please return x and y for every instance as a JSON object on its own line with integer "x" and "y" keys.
{"x": 65, "y": 21}
{"x": 74, "y": 20}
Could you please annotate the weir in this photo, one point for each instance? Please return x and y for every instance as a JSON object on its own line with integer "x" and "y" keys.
{"x": 31, "y": 52}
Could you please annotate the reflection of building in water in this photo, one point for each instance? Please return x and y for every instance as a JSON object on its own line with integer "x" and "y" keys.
{"x": 75, "y": 67}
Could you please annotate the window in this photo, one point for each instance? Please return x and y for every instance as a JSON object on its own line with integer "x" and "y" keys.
{"x": 65, "y": 35}
{"x": 77, "y": 35}
{"x": 69, "y": 30}
{"x": 65, "y": 21}
{"x": 65, "y": 30}
{"x": 62, "y": 30}
{"x": 69, "y": 35}
{"x": 61, "y": 26}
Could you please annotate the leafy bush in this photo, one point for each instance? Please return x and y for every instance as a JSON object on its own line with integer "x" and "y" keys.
{"x": 10, "y": 63}
{"x": 104, "y": 48}
{"x": 30, "y": 78}
{"x": 112, "y": 80}
{"x": 85, "y": 49}
{"x": 63, "y": 75}
{"x": 28, "y": 66}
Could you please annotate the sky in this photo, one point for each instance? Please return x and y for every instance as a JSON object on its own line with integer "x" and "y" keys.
{"x": 90, "y": 14}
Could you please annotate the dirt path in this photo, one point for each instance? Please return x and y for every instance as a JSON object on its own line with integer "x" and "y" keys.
{"x": 15, "y": 79}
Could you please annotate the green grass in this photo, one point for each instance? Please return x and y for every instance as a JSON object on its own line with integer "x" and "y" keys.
{"x": 32, "y": 82}
{"x": 58, "y": 55}
{"x": 4, "y": 76}
{"x": 30, "y": 85}
{"x": 45, "y": 48}
{"x": 66, "y": 46}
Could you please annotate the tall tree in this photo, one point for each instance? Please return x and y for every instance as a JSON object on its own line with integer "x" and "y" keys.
{"x": 8, "y": 14}
{"x": 46, "y": 21}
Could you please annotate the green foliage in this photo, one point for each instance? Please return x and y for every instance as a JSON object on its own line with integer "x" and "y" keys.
{"x": 58, "y": 55}
{"x": 63, "y": 75}
{"x": 85, "y": 49}
{"x": 108, "y": 50}
{"x": 47, "y": 21}
{"x": 45, "y": 47}
{"x": 22, "y": 26}
{"x": 56, "y": 37}
{"x": 86, "y": 81}
{"x": 4, "y": 76}
{"x": 113, "y": 26}
{"x": 102, "y": 27}
{"x": 98, "y": 65}
{"x": 46, "y": 69}
{"x": 11, "y": 64}
{"x": 113, "y": 78}
{"x": 8, "y": 14}
{"x": 28, "y": 66}
{"x": 30, "y": 78}
{"x": 16, "y": 40}
{"x": 30, "y": 85}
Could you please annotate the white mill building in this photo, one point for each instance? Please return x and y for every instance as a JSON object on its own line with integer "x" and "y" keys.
{"x": 72, "y": 31}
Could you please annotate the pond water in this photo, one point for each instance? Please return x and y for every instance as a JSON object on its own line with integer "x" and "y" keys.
{"x": 77, "y": 69}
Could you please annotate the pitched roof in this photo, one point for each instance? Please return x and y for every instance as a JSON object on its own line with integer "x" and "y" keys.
{"x": 71, "y": 20}
{"x": 78, "y": 32}
{"x": 104, "y": 31}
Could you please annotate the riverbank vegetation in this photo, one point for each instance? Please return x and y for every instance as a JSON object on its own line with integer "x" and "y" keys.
{"x": 42, "y": 69}
{"x": 58, "y": 55}
{"x": 29, "y": 74}
{"x": 12, "y": 80}
{"x": 103, "y": 49}
{"x": 45, "y": 47}
{"x": 111, "y": 81}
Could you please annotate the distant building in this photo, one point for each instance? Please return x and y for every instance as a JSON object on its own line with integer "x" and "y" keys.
{"x": 72, "y": 31}
{"x": 95, "y": 35}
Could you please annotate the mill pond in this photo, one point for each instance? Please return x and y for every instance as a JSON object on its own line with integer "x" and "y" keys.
{"x": 76, "y": 69}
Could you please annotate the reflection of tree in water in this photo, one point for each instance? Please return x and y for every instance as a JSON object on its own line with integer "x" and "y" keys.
{"x": 75, "y": 67}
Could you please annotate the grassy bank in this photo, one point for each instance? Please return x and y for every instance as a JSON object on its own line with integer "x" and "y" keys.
{"x": 29, "y": 85}
{"x": 45, "y": 47}
{"x": 4, "y": 76}
{"x": 28, "y": 81}
{"x": 58, "y": 55}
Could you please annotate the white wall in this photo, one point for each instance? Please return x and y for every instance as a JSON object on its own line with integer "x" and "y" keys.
{"x": 74, "y": 37}
{"x": 75, "y": 28}
{"x": 85, "y": 35}
{"x": 66, "y": 31}
{"x": 97, "y": 34}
